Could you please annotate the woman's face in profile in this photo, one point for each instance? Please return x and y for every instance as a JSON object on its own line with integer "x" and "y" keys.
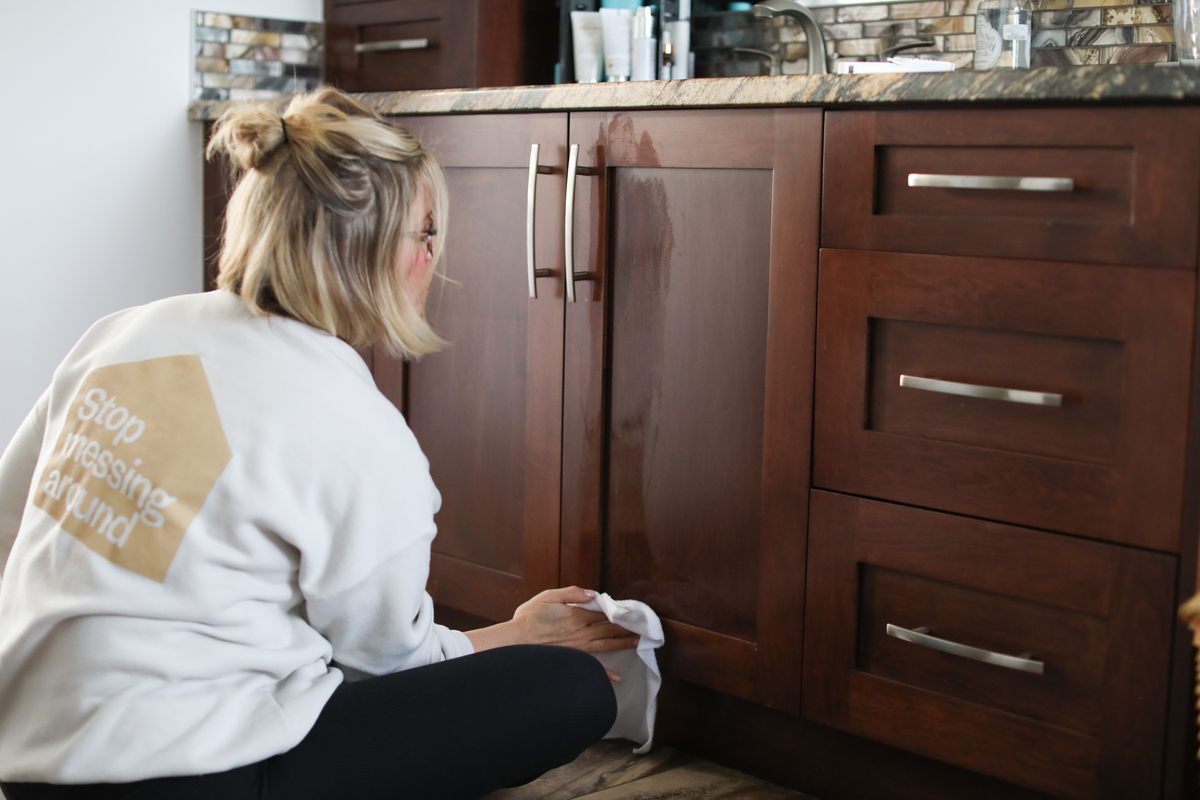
{"x": 416, "y": 248}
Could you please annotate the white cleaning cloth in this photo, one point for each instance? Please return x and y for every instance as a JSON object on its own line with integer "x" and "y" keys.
{"x": 637, "y": 691}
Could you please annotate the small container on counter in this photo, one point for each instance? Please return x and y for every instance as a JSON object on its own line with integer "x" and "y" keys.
{"x": 587, "y": 34}
{"x": 1187, "y": 31}
{"x": 645, "y": 46}
{"x": 618, "y": 43}
{"x": 1003, "y": 34}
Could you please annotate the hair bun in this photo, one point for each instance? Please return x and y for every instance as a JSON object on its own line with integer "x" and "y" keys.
{"x": 249, "y": 135}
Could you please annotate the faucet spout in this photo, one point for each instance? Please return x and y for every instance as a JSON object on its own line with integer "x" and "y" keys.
{"x": 769, "y": 9}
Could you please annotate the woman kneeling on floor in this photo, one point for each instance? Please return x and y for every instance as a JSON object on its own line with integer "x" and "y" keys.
{"x": 212, "y": 503}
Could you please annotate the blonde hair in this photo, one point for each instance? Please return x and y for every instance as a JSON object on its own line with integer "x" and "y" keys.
{"x": 313, "y": 229}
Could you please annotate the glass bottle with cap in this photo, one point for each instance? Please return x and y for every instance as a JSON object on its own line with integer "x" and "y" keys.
{"x": 1003, "y": 34}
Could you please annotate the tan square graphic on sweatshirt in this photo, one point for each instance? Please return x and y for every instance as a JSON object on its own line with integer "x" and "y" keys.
{"x": 140, "y": 451}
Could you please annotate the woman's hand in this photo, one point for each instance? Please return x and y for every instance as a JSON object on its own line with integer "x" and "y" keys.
{"x": 550, "y": 618}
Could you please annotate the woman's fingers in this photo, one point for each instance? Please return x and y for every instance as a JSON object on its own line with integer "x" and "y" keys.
{"x": 606, "y": 630}
{"x": 610, "y": 645}
{"x": 585, "y": 617}
{"x": 567, "y": 594}
{"x": 612, "y": 676}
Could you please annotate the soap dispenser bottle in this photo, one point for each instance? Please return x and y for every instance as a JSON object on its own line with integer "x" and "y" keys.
{"x": 1003, "y": 34}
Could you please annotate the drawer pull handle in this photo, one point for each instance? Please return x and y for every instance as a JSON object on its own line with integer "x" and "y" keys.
{"x": 391, "y": 44}
{"x": 573, "y": 169}
{"x": 991, "y": 182}
{"x": 984, "y": 392}
{"x": 921, "y": 636}
{"x": 535, "y": 169}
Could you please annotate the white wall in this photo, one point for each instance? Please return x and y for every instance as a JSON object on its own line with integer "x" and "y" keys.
{"x": 100, "y": 171}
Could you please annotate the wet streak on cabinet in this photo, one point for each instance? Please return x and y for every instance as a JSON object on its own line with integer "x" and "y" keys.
{"x": 694, "y": 497}
{"x": 688, "y": 370}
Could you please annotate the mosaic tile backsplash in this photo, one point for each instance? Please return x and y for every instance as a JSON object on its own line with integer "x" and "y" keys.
{"x": 250, "y": 58}
{"x": 1065, "y": 32}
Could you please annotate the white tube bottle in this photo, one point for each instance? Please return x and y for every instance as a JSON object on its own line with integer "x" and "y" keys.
{"x": 618, "y": 42}
{"x": 588, "y": 37}
{"x": 645, "y": 46}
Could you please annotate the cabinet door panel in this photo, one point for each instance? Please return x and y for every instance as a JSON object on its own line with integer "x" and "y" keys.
{"x": 694, "y": 473}
{"x": 688, "y": 383}
{"x": 487, "y": 409}
{"x": 476, "y": 442}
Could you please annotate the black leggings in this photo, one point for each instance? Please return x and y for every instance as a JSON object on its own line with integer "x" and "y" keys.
{"x": 454, "y": 730}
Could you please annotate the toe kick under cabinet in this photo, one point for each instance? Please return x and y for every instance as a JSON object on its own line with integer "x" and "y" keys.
{"x": 891, "y": 414}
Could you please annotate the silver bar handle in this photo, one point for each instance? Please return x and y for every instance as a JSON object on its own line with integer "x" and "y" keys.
{"x": 573, "y": 169}
{"x": 391, "y": 44}
{"x": 919, "y": 179}
{"x": 983, "y": 392}
{"x": 921, "y": 636}
{"x": 535, "y": 169}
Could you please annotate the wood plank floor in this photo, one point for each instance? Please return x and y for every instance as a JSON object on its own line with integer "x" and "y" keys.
{"x": 610, "y": 771}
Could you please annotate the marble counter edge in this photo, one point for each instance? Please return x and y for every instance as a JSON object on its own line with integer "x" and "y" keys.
{"x": 1142, "y": 83}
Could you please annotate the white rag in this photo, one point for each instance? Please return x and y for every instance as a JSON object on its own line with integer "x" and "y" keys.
{"x": 637, "y": 691}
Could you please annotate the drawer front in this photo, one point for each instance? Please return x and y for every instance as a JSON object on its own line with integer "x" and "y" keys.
{"x": 438, "y": 50}
{"x": 913, "y": 355}
{"x": 1131, "y": 194}
{"x": 420, "y": 67}
{"x": 894, "y": 596}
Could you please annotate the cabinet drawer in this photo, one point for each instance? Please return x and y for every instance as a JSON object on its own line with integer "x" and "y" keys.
{"x": 1134, "y": 182}
{"x": 420, "y": 65}
{"x": 1096, "y": 618}
{"x": 913, "y": 355}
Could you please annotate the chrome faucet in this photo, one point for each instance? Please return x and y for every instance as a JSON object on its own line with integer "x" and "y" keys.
{"x": 769, "y": 9}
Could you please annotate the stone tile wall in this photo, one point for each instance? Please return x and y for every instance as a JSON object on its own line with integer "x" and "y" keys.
{"x": 251, "y": 58}
{"x": 1066, "y": 32}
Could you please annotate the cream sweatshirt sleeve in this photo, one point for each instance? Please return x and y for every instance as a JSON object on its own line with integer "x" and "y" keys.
{"x": 381, "y": 625}
{"x": 16, "y": 474}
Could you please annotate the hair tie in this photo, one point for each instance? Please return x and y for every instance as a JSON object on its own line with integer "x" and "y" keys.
{"x": 283, "y": 124}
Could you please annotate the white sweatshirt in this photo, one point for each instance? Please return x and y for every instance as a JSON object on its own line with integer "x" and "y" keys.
{"x": 203, "y": 510}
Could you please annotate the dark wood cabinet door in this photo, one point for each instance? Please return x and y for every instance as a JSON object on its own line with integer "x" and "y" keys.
{"x": 487, "y": 410}
{"x": 903, "y": 603}
{"x": 688, "y": 489}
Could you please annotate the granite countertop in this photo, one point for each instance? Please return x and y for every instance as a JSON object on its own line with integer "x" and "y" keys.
{"x": 1126, "y": 83}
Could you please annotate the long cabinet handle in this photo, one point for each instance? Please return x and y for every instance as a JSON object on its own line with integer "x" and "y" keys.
{"x": 573, "y": 169}
{"x": 391, "y": 44}
{"x": 535, "y": 169}
{"x": 984, "y": 392}
{"x": 921, "y": 636}
{"x": 919, "y": 179}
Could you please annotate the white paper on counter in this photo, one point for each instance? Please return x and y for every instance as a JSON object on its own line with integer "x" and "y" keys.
{"x": 899, "y": 64}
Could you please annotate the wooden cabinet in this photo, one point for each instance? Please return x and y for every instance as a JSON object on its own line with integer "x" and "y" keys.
{"x": 394, "y": 45}
{"x": 1051, "y": 388}
{"x": 994, "y": 389}
{"x": 687, "y": 488}
{"x": 652, "y": 438}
